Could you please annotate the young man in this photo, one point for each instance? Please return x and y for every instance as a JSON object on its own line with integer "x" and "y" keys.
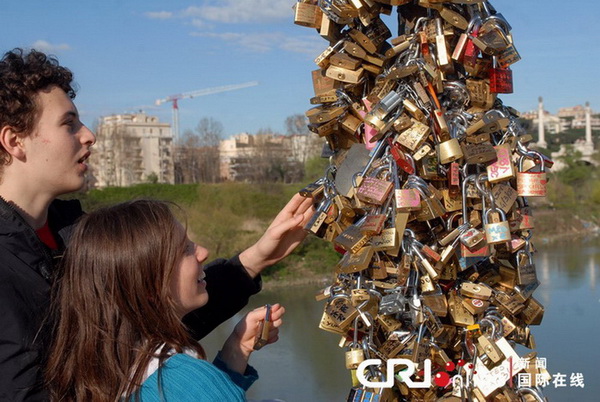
{"x": 43, "y": 152}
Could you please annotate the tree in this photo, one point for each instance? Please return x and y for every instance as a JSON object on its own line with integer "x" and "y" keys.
{"x": 209, "y": 132}
{"x": 314, "y": 167}
{"x": 576, "y": 171}
{"x": 152, "y": 178}
{"x": 296, "y": 124}
{"x": 197, "y": 155}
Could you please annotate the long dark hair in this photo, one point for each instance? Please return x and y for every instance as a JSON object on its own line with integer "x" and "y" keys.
{"x": 112, "y": 307}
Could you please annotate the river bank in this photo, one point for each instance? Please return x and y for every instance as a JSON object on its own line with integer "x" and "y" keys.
{"x": 552, "y": 225}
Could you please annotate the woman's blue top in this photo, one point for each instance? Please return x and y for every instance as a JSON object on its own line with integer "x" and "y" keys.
{"x": 185, "y": 378}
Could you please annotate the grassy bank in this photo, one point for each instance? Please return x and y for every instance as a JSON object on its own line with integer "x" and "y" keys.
{"x": 228, "y": 217}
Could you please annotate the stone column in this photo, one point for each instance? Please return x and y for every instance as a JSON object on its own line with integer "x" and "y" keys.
{"x": 588, "y": 125}
{"x": 541, "y": 138}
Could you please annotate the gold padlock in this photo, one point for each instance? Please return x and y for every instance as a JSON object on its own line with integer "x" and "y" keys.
{"x": 307, "y": 15}
{"x": 532, "y": 184}
{"x": 449, "y": 151}
{"x": 497, "y": 229}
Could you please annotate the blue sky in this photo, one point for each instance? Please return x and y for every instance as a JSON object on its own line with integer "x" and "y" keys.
{"x": 127, "y": 53}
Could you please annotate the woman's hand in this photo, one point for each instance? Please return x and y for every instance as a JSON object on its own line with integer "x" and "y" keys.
{"x": 281, "y": 238}
{"x": 240, "y": 344}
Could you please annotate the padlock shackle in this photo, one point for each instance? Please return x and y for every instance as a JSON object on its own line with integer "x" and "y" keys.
{"x": 533, "y": 155}
{"x": 526, "y": 253}
{"x": 498, "y": 324}
{"x": 460, "y": 88}
{"x": 486, "y": 322}
{"x": 466, "y": 181}
{"x": 473, "y": 23}
{"x": 494, "y": 209}
{"x": 450, "y": 220}
{"x": 343, "y": 97}
{"x": 502, "y": 23}
{"x": 486, "y": 195}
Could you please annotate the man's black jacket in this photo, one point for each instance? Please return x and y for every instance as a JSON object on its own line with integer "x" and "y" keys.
{"x": 26, "y": 270}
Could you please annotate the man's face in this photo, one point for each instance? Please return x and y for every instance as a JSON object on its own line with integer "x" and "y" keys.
{"x": 58, "y": 146}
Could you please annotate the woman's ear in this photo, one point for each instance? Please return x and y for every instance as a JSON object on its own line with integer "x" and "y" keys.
{"x": 12, "y": 142}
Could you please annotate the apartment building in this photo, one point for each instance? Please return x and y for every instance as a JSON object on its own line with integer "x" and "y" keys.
{"x": 130, "y": 149}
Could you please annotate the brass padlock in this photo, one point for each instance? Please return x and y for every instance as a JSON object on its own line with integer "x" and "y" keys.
{"x": 526, "y": 272}
{"x": 352, "y": 239}
{"x": 355, "y": 262}
{"x": 407, "y": 199}
{"x": 472, "y": 237}
{"x": 505, "y": 196}
{"x": 323, "y": 114}
{"x": 323, "y": 84}
{"x": 443, "y": 57}
{"x": 316, "y": 225}
{"x": 354, "y": 357}
{"x": 503, "y": 169}
{"x": 449, "y": 151}
{"x": 344, "y": 61}
{"x": 329, "y": 30}
{"x": 497, "y": 229}
{"x": 373, "y": 190}
{"x": 508, "y": 56}
{"x": 458, "y": 313}
{"x": 373, "y": 224}
{"x": 531, "y": 184}
{"x": 414, "y": 136}
{"x": 341, "y": 312}
{"x": 425, "y": 283}
{"x": 355, "y": 354}
{"x": 479, "y": 93}
{"x": 475, "y": 290}
{"x": 488, "y": 346}
{"x": 479, "y": 153}
{"x": 344, "y": 74}
{"x": 533, "y": 313}
{"x": 307, "y": 15}
{"x": 386, "y": 241}
{"x": 437, "y": 303}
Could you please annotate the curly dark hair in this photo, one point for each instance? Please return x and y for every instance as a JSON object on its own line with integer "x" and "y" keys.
{"x": 22, "y": 76}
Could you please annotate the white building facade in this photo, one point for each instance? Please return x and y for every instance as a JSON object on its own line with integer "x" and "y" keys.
{"x": 132, "y": 149}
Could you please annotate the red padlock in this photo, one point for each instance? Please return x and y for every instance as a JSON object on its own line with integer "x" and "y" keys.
{"x": 501, "y": 79}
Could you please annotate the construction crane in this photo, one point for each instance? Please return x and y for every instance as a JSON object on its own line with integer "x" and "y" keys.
{"x": 207, "y": 91}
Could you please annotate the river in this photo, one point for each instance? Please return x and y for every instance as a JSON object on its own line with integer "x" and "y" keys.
{"x": 306, "y": 364}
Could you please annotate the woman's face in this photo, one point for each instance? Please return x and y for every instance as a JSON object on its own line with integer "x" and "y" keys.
{"x": 188, "y": 287}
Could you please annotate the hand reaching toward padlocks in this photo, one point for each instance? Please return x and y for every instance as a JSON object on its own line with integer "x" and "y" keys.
{"x": 281, "y": 237}
{"x": 242, "y": 341}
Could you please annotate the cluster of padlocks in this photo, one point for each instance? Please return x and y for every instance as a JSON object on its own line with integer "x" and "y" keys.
{"x": 425, "y": 198}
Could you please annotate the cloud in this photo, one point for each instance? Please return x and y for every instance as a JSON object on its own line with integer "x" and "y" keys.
{"x": 47, "y": 47}
{"x": 266, "y": 42}
{"x": 199, "y": 23}
{"x": 260, "y": 43}
{"x": 309, "y": 45}
{"x": 204, "y": 18}
{"x": 235, "y": 11}
{"x": 159, "y": 15}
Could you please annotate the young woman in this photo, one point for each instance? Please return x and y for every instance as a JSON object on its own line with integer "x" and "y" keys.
{"x": 128, "y": 277}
